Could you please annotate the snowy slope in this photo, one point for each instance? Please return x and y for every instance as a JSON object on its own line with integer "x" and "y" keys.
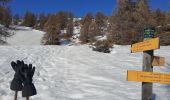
{"x": 78, "y": 73}
{"x": 25, "y": 36}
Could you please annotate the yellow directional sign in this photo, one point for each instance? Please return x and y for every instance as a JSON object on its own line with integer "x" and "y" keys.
{"x": 150, "y": 44}
{"x": 139, "y": 76}
{"x": 158, "y": 61}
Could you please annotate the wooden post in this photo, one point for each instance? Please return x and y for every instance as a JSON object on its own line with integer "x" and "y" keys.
{"x": 16, "y": 93}
{"x": 27, "y": 98}
{"x": 147, "y": 67}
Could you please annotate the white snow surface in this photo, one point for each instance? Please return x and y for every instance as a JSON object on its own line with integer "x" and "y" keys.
{"x": 78, "y": 73}
{"x": 25, "y": 36}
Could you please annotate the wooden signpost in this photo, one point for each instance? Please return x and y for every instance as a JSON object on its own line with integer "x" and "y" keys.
{"x": 147, "y": 77}
{"x": 148, "y": 54}
{"x": 147, "y": 67}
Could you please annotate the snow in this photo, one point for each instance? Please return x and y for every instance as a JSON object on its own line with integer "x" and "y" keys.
{"x": 78, "y": 73}
{"x": 76, "y": 34}
{"x": 101, "y": 38}
{"x": 25, "y": 36}
{"x": 76, "y": 29}
{"x": 77, "y": 19}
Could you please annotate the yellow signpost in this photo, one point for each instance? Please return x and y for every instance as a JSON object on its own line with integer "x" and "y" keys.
{"x": 139, "y": 76}
{"x": 147, "y": 76}
{"x": 158, "y": 61}
{"x": 150, "y": 44}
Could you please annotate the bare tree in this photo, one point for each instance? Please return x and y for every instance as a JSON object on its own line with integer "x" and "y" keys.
{"x": 128, "y": 22}
{"x": 93, "y": 31}
{"x": 52, "y": 27}
{"x": 101, "y": 22}
{"x": 85, "y": 28}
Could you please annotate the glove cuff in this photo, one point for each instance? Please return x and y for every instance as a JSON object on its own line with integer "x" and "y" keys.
{"x": 29, "y": 90}
{"x": 16, "y": 85}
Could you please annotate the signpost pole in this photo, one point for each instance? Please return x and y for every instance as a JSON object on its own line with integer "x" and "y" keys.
{"x": 147, "y": 67}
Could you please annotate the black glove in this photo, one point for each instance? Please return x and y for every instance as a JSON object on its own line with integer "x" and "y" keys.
{"x": 27, "y": 74}
{"x": 16, "y": 84}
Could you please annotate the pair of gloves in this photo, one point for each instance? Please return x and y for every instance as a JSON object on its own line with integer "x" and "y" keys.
{"x": 22, "y": 80}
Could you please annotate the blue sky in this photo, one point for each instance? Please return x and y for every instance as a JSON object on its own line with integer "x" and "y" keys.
{"x": 78, "y": 7}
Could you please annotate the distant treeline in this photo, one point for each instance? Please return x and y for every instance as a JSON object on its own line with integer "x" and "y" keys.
{"x": 124, "y": 26}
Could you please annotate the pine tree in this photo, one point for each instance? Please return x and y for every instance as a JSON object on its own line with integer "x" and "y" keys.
{"x": 62, "y": 19}
{"x": 70, "y": 25}
{"x": 84, "y": 33}
{"x": 42, "y": 20}
{"x": 29, "y": 19}
{"x": 160, "y": 17}
{"x": 143, "y": 12}
{"x": 128, "y": 22}
{"x": 5, "y": 13}
{"x": 122, "y": 23}
{"x": 55, "y": 25}
{"x": 167, "y": 17}
{"x": 16, "y": 19}
{"x": 145, "y": 18}
{"x": 88, "y": 18}
{"x": 5, "y": 16}
{"x": 101, "y": 22}
{"x": 4, "y": 19}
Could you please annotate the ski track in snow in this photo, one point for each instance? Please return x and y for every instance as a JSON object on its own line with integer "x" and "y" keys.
{"x": 78, "y": 73}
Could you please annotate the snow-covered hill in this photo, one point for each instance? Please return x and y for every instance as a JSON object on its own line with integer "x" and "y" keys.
{"x": 25, "y": 36}
{"x": 78, "y": 73}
